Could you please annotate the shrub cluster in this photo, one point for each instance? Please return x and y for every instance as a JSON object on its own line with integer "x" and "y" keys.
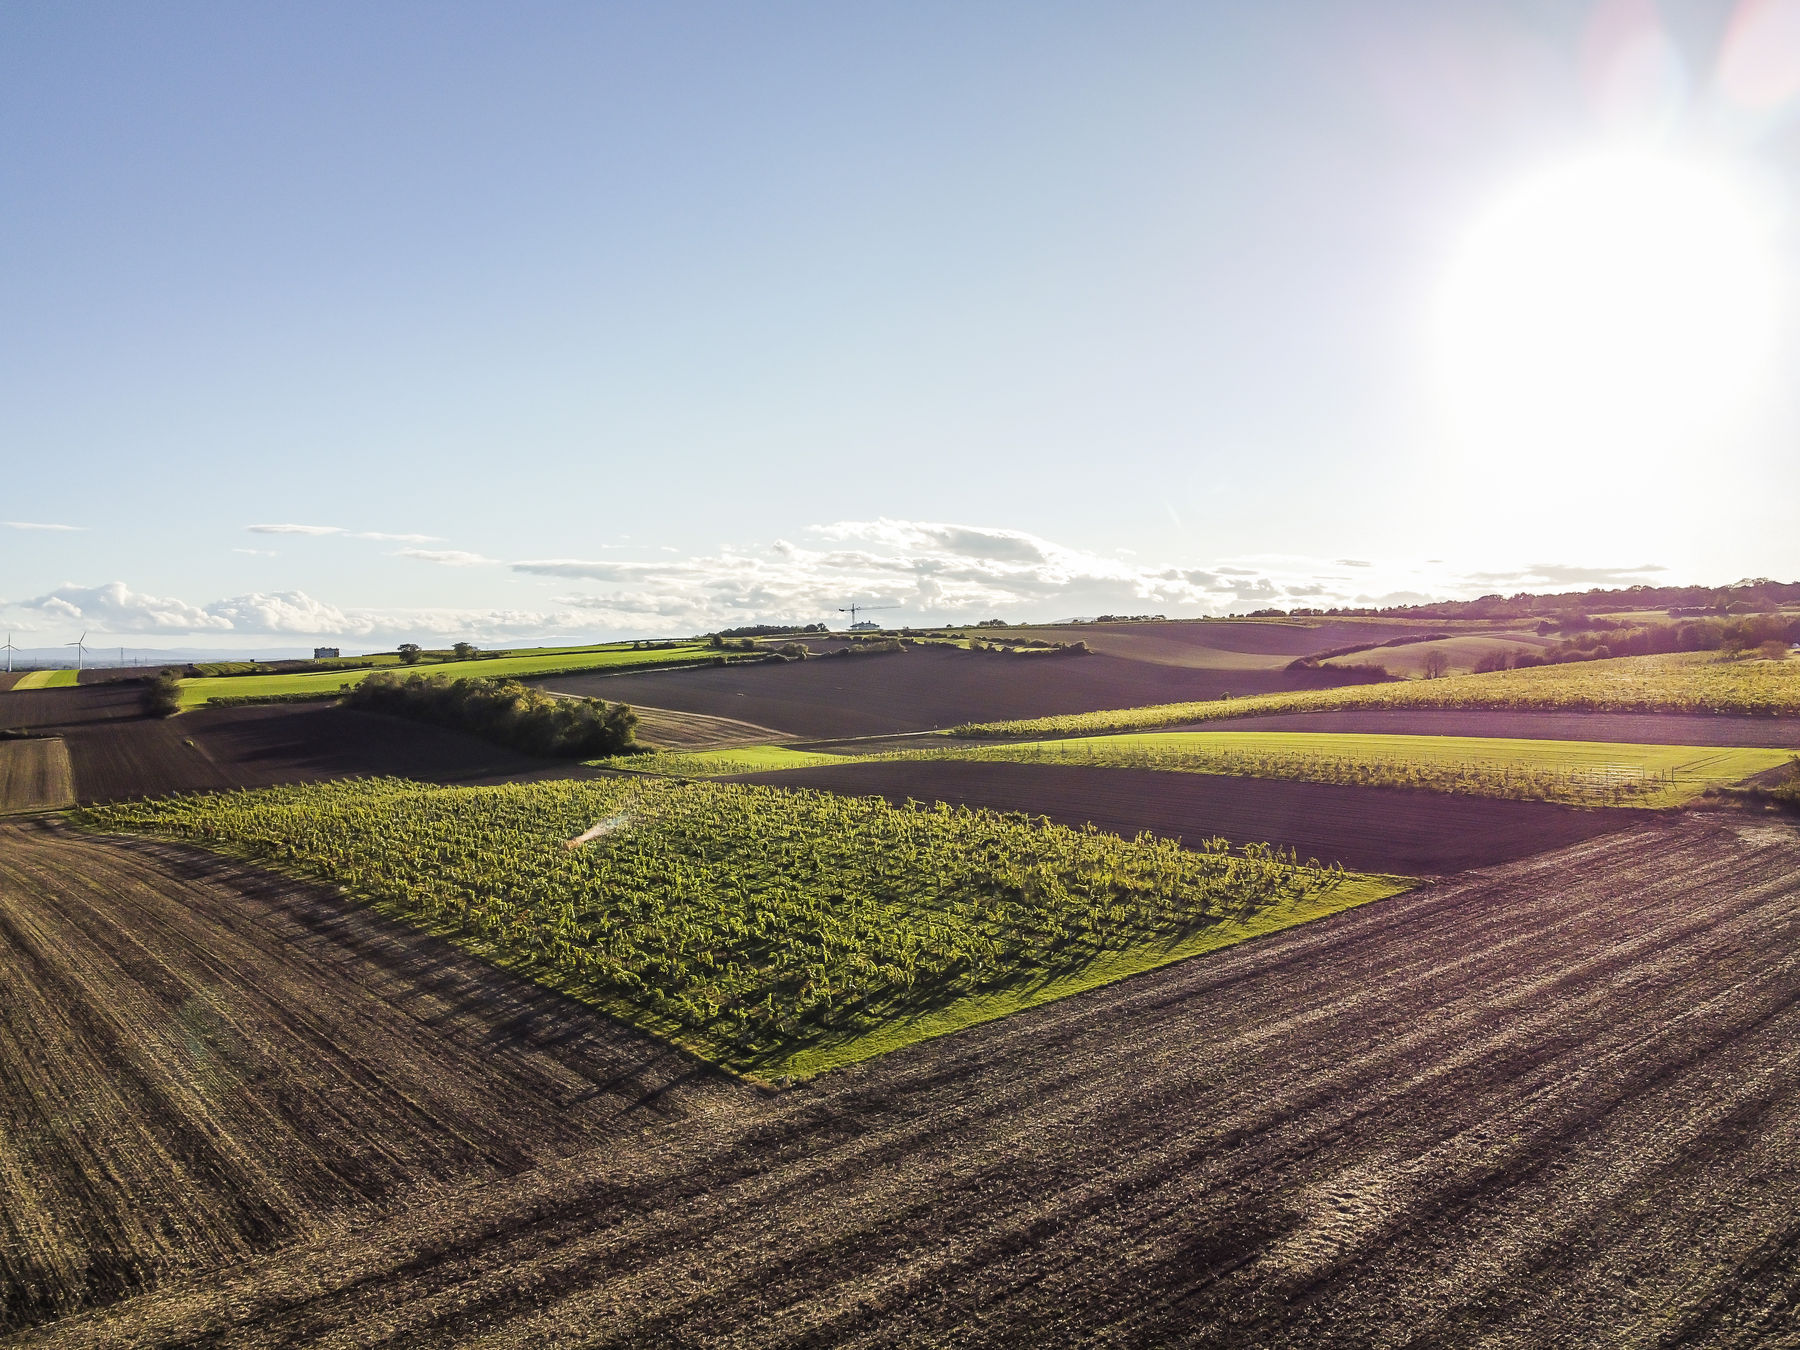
{"x": 162, "y": 697}
{"x": 505, "y": 712}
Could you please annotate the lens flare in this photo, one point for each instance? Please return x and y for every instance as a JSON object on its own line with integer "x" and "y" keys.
{"x": 1611, "y": 308}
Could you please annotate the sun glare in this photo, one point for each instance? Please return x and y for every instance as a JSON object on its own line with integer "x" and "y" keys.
{"x": 1611, "y": 309}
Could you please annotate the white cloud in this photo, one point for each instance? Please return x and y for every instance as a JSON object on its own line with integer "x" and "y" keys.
{"x": 918, "y": 571}
{"x": 38, "y": 525}
{"x": 444, "y": 557}
{"x": 116, "y": 608}
{"x": 257, "y": 552}
{"x": 378, "y": 535}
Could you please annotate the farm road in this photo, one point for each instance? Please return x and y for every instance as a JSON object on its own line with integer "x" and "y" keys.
{"x": 1552, "y": 1104}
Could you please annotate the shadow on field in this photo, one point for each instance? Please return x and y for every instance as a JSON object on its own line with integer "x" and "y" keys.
{"x": 459, "y": 996}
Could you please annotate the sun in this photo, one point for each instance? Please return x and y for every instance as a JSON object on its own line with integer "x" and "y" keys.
{"x": 1608, "y": 311}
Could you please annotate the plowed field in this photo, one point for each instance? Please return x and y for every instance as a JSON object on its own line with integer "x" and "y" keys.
{"x": 1553, "y": 1105}
{"x": 923, "y": 689}
{"x": 1413, "y": 833}
{"x": 34, "y": 775}
{"x": 116, "y": 752}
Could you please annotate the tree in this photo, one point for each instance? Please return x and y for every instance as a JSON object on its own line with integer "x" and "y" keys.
{"x": 409, "y": 653}
{"x": 163, "y": 698}
{"x": 1437, "y": 663}
{"x": 464, "y": 650}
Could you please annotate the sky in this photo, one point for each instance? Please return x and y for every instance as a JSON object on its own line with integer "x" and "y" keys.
{"x": 362, "y": 324}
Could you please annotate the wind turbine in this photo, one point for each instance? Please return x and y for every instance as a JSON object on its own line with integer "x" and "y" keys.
{"x": 79, "y": 644}
{"x": 10, "y": 649}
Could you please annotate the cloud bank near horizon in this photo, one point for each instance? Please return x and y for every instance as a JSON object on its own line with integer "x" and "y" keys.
{"x": 917, "y": 571}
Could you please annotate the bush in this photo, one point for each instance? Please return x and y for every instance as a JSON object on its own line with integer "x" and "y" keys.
{"x": 163, "y": 696}
{"x": 505, "y": 712}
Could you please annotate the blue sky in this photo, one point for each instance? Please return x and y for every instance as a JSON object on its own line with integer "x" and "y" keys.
{"x": 592, "y": 320}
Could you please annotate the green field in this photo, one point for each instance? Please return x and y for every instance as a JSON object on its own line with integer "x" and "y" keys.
{"x": 776, "y": 933}
{"x": 1683, "y": 682}
{"x": 553, "y": 661}
{"x": 48, "y": 679}
{"x": 1578, "y": 773}
{"x": 724, "y": 763}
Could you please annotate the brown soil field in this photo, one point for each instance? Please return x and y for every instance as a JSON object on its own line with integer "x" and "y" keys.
{"x": 1775, "y": 733}
{"x": 1554, "y": 1104}
{"x": 35, "y": 775}
{"x": 259, "y": 746}
{"x": 117, "y": 752}
{"x": 669, "y": 730}
{"x": 1412, "y": 833}
{"x": 114, "y": 674}
{"x": 1462, "y": 651}
{"x": 8, "y": 678}
{"x": 1220, "y": 643}
{"x": 35, "y": 708}
{"x": 922, "y": 689}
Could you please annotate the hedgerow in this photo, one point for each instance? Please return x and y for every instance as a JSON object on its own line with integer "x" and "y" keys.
{"x": 503, "y": 711}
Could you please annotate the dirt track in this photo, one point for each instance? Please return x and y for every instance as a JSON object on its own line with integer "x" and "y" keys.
{"x": 1367, "y": 829}
{"x": 1554, "y": 1105}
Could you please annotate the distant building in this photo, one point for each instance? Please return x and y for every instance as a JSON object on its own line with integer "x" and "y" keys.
{"x": 865, "y": 627}
{"x": 325, "y": 653}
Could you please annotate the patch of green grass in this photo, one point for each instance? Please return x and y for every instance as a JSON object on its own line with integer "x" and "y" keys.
{"x": 719, "y": 763}
{"x": 328, "y": 683}
{"x": 772, "y": 932}
{"x": 1683, "y": 682}
{"x": 48, "y": 679}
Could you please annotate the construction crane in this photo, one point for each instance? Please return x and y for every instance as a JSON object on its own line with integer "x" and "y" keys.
{"x": 854, "y": 610}
{"x": 80, "y": 646}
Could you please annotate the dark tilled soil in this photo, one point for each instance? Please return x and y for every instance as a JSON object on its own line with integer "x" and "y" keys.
{"x": 283, "y": 743}
{"x": 1777, "y": 733}
{"x": 1556, "y": 1104}
{"x": 117, "y": 752}
{"x": 73, "y": 705}
{"x": 1366, "y": 829}
{"x": 923, "y": 689}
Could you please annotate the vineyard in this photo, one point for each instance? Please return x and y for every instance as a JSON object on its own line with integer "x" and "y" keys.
{"x": 1575, "y": 773}
{"x": 771, "y": 931}
{"x": 1690, "y": 682}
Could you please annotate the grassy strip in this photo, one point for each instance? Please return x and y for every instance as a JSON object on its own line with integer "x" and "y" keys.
{"x": 47, "y": 679}
{"x": 721, "y": 763}
{"x": 1695, "y": 682}
{"x": 1576, "y": 773}
{"x": 330, "y": 683}
{"x": 775, "y": 933}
